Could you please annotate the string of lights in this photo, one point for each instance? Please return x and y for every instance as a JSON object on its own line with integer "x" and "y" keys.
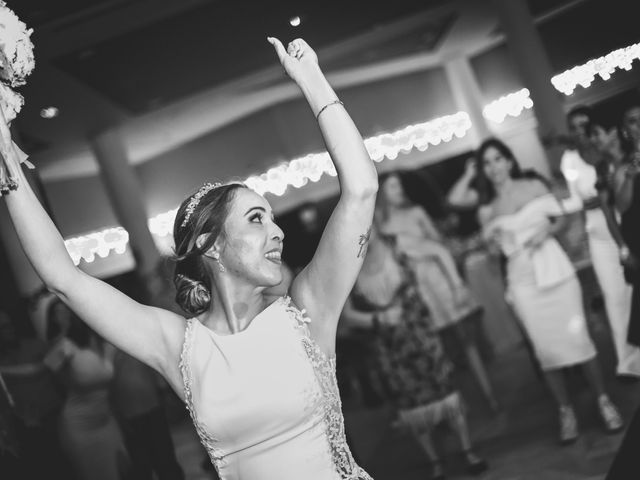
{"x": 511, "y": 105}
{"x": 298, "y": 172}
{"x": 604, "y": 67}
{"x": 515, "y": 103}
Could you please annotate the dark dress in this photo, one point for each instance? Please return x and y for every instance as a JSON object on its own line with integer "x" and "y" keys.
{"x": 630, "y": 229}
{"x": 409, "y": 354}
{"x": 626, "y": 466}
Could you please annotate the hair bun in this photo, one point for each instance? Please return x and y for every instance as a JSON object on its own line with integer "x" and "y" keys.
{"x": 192, "y": 296}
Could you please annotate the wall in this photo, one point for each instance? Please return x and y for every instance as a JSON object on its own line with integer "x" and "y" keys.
{"x": 255, "y": 143}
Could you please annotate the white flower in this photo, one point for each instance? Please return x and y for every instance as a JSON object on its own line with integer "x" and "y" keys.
{"x": 10, "y": 102}
{"x": 16, "y": 49}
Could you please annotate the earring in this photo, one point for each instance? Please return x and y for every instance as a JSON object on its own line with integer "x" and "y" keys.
{"x": 216, "y": 257}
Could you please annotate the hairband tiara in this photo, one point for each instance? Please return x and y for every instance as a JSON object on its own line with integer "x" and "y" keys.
{"x": 195, "y": 200}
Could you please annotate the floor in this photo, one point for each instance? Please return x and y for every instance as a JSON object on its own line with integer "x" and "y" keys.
{"x": 519, "y": 443}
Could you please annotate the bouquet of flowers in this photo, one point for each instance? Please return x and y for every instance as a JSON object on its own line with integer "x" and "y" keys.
{"x": 16, "y": 63}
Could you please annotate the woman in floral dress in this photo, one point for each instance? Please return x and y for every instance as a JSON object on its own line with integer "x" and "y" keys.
{"x": 415, "y": 371}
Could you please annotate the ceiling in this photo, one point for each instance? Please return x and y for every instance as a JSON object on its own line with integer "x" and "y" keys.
{"x": 106, "y": 63}
{"x": 102, "y": 62}
{"x": 220, "y": 41}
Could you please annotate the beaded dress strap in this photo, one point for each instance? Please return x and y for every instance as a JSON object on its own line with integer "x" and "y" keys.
{"x": 207, "y": 440}
{"x": 324, "y": 367}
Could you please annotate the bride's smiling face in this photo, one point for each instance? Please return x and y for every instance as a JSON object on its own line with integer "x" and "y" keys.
{"x": 252, "y": 243}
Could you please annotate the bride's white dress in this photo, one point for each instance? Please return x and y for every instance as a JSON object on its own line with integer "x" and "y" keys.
{"x": 543, "y": 287}
{"x": 265, "y": 401}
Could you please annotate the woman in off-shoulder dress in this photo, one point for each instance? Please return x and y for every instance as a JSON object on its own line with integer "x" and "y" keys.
{"x": 452, "y": 307}
{"x": 520, "y": 216}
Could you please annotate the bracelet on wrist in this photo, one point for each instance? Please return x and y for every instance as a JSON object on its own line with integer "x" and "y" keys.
{"x": 335, "y": 102}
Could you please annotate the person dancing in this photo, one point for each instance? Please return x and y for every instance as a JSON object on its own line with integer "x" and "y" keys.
{"x": 414, "y": 368}
{"x": 626, "y": 185}
{"x": 587, "y": 172}
{"x": 519, "y": 216}
{"x": 627, "y": 199}
{"x": 453, "y": 309}
{"x": 257, "y": 376}
{"x": 88, "y": 434}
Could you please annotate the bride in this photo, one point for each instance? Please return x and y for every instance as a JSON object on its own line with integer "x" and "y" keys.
{"x": 257, "y": 375}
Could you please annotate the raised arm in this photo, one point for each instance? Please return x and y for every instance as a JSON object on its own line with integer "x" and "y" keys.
{"x": 623, "y": 184}
{"x": 323, "y": 286}
{"x": 461, "y": 194}
{"x": 149, "y": 334}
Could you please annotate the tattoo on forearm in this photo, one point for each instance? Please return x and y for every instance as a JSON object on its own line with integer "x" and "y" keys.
{"x": 363, "y": 241}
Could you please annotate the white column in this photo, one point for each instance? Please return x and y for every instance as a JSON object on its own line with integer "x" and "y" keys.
{"x": 125, "y": 193}
{"x": 468, "y": 97}
{"x": 533, "y": 64}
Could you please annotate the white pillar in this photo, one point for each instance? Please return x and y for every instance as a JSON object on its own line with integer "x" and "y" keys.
{"x": 533, "y": 64}
{"x": 468, "y": 96}
{"x": 124, "y": 191}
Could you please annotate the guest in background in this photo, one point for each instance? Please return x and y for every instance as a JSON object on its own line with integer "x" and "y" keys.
{"x": 627, "y": 198}
{"x": 626, "y": 185}
{"x": 587, "y": 171}
{"x": 139, "y": 406}
{"x": 36, "y": 401}
{"x": 579, "y": 120}
{"x": 136, "y": 395}
{"x": 304, "y": 240}
{"x": 520, "y": 216}
{"x": 413, "y": 365}
{"x": 88, "y": 432}
{"x": 12, "y": 455}
{"x": 450, "y": 303}
{"x": 10, "y": 452}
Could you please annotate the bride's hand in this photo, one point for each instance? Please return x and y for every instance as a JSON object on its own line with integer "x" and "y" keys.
{"x": 299, "y": 60}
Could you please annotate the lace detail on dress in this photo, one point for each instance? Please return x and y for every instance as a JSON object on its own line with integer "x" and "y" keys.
{"x": 208, "y": 441}
{"x": 325, "y": 369}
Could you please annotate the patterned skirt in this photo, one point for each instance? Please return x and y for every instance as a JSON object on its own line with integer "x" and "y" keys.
{"x": 410, "y": 356}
